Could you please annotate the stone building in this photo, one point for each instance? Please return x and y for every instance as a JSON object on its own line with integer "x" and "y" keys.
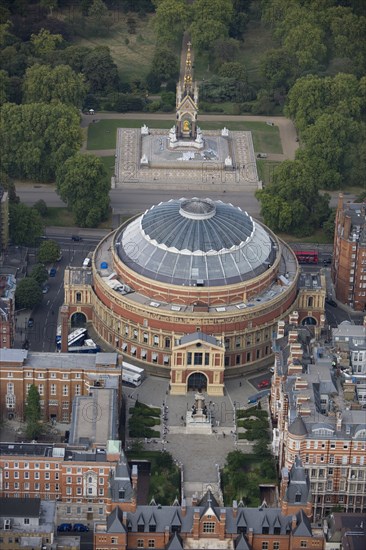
{"x": 7, "y": 309}
{"x": 349, "y": 254}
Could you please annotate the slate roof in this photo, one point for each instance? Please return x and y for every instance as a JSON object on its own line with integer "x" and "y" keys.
{"x": 175, "y": 543}
{"x": 298, "y": 427}
{"x": 114, "y": 522}
{"x": 20, "y": 507}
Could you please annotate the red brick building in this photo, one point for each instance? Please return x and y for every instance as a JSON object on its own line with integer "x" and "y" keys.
{"x": 58, "y": 377}
{"x": 187, "y": 267}
{"x": 349, "y": 254}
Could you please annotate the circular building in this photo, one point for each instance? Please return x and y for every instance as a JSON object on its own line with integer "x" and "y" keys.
{"x": 192, "y": 290}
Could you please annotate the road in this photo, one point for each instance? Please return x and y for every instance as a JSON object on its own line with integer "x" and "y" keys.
{"x": 42, "y": 335}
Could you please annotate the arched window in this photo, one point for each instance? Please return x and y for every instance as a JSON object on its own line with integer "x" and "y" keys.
{"x": 310, "y": 301}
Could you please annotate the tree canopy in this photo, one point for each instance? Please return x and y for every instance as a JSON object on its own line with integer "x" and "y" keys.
{"x": 25, "y": 224}
{"x": 43, "y": 84}
{"x": 37, "y": 138}
{"x": 28, "y": 293}
{"x": 39, "y": 273}
{"x": 33, "y": 413}
{"x": 49, "y": 252}
{"x": 83, "y": 184}
{"x": 292, "y": 203}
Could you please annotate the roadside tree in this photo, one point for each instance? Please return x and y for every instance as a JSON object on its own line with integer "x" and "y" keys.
{"x": 28, "y": 293}
{"x": 37, "y": 138}
{"x": 83, "y": 184}
{"x": 25, "y": 224}
{"x": 49, "y": 252}
{"x": 39, "y": 274}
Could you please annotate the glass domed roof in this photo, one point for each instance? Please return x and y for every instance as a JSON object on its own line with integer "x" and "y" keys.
{"x": 187, "y": 241}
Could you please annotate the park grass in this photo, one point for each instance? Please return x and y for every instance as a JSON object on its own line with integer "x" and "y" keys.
{"x": 102, "y": 135}
{"x": 133, "y": 59}
{"x": 265, "y": 170}
{"x": 58, "y": 216}
{"x": 108, "y": 163}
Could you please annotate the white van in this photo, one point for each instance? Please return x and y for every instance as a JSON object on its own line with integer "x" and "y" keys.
{"x": 86, "y": 263}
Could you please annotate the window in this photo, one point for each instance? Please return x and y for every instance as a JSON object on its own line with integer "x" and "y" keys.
{"x": 26, "y": 475}
{"x": 26, "y": 521}
{"x": 156, "y": 340}
{"x": 36, "y": 475}
{"x": 265, "y": 530}
{"x": 303, "y": 544}
{"x": 140, "y": 543}
{"x": 77, "y": 389}
{"x": 264, "y": 545}
{"x": 78, "y": 296}
{"x": 16, "y": 475}
{"x": 208, "y": 527}
{"x": 47, "y": 475}
{"x": 151, "y": 543}
{"x": 276, "y": 545}
{"x": 114, "y": 540}
{"x": 65, "y": 390}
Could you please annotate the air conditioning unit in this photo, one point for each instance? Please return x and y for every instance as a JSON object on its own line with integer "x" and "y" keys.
{"x": 7, "y": 523}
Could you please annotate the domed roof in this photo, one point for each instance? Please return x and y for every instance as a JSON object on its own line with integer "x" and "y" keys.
{"x": 185, "y": 241}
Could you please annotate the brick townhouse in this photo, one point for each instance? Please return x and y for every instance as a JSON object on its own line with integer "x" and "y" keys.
{"x": 59, "y": 378}
{"x": 317, "y": 417}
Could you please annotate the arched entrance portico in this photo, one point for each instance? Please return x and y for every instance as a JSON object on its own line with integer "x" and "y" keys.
{"x": 309, "y": 321}
{"x": 197, "y": 381}
{"x": 78, "y": 319}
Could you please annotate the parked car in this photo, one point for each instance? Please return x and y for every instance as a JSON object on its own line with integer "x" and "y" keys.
{"x": 64, "y": 527}
{"x": 252, "y": 400}
{"x": 262, "y": 155}
{"x": 30, "y": 322}
{"x": 76, "y": 238}
{"x": 264, "y": 384}
{"x": 45, "y": 289}
{"x": 53, "y": 272}
{"x": 80, "y": 527}
{"x": 331, "y": 302}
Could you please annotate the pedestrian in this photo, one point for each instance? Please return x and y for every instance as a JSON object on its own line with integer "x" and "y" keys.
{"x": 240, "y": 384}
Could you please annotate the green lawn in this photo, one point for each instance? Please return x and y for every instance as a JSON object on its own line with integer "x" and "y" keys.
{"x": 59, "y": 216}
{"x": 266, "y": 169}
{"x": 102, "y": 135}
{"x": 134, "y": 58}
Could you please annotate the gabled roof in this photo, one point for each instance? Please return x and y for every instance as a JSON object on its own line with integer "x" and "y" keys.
{"x": 241, "y": 543}
{"x": 176, "y": 521}
{"x": 241, "y": 521}
{"x": 209, "y": 500}
{"x": 175, "y": 543}
{"x": 193, "y": 336}
{"x": 114, "y": 522}
{"x": 141, "y": 520}
{"x": 303, "y": 525}
{"x": 152, "y": 520}
{"x": 187, "y": 103}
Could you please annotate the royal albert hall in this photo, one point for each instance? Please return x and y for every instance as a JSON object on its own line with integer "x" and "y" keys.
{"x": 192, "y": 290}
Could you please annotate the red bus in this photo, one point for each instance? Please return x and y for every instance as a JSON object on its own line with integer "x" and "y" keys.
{"x": 307, "y": 256}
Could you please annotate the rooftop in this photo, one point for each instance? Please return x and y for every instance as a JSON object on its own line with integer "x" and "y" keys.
{"x": 187, "y": 240}
{"x": 39, "y": 360}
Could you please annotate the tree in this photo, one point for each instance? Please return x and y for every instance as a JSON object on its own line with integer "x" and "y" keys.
{"x": 171, "y": 19}
{"x": 4, "y": 87}
{"x": 233, "y": 70}
{"x": 41, "y": 207}
{"x": 214, "y": 10}
{"x": 25, "y": 224}
{"x": 37, "y": 138}
{"x": 277, "y": 67}
{"x": 165, "y": 64}
{"x": 9, "y": 186}
{"x": 39, "y": 274}
{"x": 43, "y": 84}
{"x": 45, "y": 43}
{"x": 28, "y": 293}
{"x": 33, "y": 413}
{"x": 83, "y": 184}
{"x": 49, "y": 252}
{"x": 292, "y": 203}
{"x": 205, "y": 33}
{"x": 98, "y": 9}
{"x": 100, "y": 70}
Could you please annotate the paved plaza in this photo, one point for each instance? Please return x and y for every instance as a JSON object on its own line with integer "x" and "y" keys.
{"x": 202, "y": 455}
{"x": 165, "y": 169}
